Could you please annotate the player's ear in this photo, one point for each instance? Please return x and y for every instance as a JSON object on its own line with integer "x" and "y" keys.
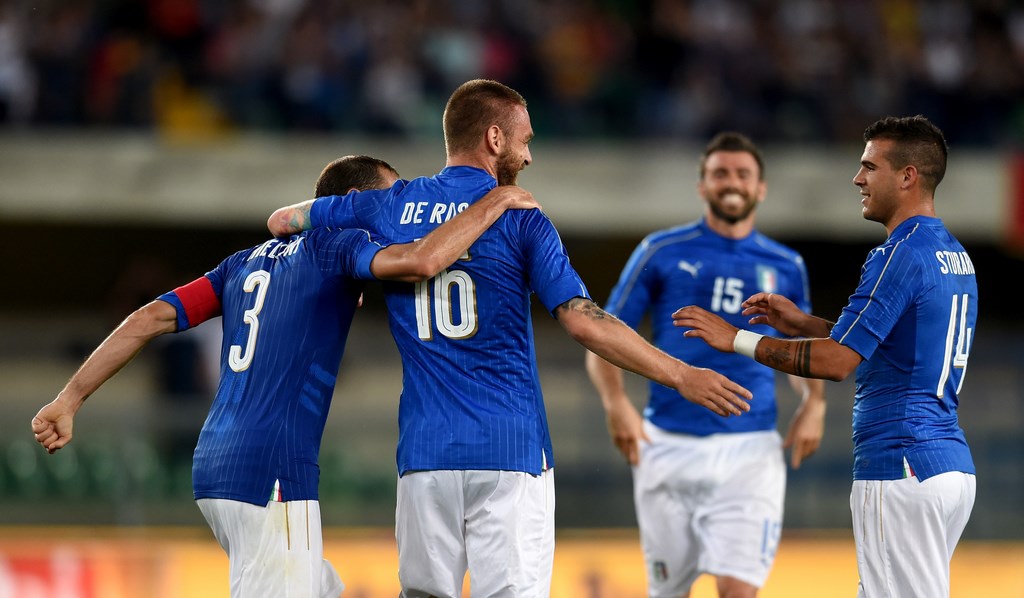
{"x": 908, "y": 176}
{"x": 495, "y": 138}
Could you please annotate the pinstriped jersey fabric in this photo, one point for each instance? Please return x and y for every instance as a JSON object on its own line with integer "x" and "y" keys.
{"x": 912, "y": 319}
{"x": 694, "y": 265}
{"x": 471, "y": 398}
{"x": 287, "y": 308}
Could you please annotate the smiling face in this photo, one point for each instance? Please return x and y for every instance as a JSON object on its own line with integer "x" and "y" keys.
{"x": 731, "y": 185}
{"x": 878, "y": 182}
{"x": 515, "y": 152}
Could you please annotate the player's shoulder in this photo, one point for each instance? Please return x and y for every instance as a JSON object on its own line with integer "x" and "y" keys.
{"x": 778, "y": 248}
{"x": 682, "y": 233}
{"x": 917, "y": 239}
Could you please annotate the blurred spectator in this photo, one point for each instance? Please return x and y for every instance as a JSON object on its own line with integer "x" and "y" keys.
{"x": 797, "y": 70}
{"x": 17, "y": 81}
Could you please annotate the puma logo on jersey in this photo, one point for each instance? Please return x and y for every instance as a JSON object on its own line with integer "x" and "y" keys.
{"x": 688, "y": 267}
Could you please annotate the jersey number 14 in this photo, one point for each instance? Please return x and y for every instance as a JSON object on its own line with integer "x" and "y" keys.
{"x": 958, "y": 335}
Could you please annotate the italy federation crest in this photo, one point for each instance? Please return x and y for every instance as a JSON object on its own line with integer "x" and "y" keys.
{"x": 660, "y": 570}
{"x": 767, "y": 279}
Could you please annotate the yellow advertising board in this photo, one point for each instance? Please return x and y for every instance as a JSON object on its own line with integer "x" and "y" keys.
{"x": 182, "y": 563}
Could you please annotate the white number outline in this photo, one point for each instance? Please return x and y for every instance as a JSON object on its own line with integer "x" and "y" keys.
{"x": 727, "y": 295}
{"x": 445, "y": 284}
{"x": 963, "y": 345}
{"x": 258, "y": 281}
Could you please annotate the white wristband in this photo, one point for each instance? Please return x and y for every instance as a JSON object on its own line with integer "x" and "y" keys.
{"x": 745, "y": 342}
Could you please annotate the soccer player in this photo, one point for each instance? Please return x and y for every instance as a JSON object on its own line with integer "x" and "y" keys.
{"x": 476, "y": 485}
{"x": 907, "y": 330}
{"x": 287, "y": 306}
{"x": 709, "y": 491}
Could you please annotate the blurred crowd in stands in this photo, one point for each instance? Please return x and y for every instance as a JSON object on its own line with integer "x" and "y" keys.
{"x": 780, "y": 70}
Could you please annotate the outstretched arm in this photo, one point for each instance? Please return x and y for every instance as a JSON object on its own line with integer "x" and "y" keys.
{"x": 620, "y": 345}
{"x": 290, "y": 220}
{"x": 52, "y": 425}
{"x": 807, "y": 358}
{"x": 783, "y": 315}
{"x": 444, "y": 245}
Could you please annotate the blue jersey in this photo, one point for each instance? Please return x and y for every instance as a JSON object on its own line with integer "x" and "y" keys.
{"x": 694, "y": 265}
{"x": 471, "y": 397}
{"x": 287, "y": 307}
{"x": 912, "y": 319}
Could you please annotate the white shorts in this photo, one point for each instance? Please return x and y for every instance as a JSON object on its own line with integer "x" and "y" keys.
{"x": 708, "y": 504}
{"x": 906, "y": 530}
{"x": 276, "y": 550}
{"x": 500, "y": 525}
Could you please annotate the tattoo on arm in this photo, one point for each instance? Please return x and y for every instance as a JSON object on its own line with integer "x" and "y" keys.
{"x": 300, "y": 217}
{"x": 584, "y": 306}
{"x": 794, "y": 358}
{"x": 802, "y": 361}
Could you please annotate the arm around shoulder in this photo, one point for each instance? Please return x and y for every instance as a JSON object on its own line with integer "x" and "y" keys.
{"x": 290, "y": 220}
{"x": 426, "y": 257}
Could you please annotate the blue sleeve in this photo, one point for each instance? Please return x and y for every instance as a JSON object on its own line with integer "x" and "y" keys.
{"x": 369, "y": 210}
{"x": 552, "y": 277}
{"x": 631, "y": 295}
{"x": 182, "y": 319}
{"x": 347, "y": 252}
{"x": 333, "y": 210}
{"x": 885, "y": 291}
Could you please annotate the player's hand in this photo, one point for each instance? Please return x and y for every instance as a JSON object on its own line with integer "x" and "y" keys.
{"x": 805, "y": 431}
{"x": 776, "y": 311}
{"x": 514, "y": 197}
{"x": 706, "y": 326}
{"x": 52, "y": 426}
{"x": 713, "y": 391}
{"x": 626, "y": 427}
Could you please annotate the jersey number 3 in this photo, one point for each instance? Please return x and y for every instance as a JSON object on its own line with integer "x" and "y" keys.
{"x": 258, "y": 282}
{"x": 453, "y": 290}
{"x": 957, "y": 335}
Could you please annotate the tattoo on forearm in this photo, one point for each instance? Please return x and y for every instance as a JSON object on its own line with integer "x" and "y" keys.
{"x": 300, "y": 216}
{"x": 793, "y": 358}
{"x": 802, "y": 360}
{"x": 777, "y": 359}
{"x": 584, "y": 306}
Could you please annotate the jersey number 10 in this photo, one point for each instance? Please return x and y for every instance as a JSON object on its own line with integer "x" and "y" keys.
{"x": 453, "y": 290}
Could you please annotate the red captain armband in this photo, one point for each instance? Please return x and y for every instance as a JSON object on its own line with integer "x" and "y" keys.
{"x": 199, "y": 300}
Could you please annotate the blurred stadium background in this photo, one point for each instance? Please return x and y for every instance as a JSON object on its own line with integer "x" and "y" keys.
{"x": 142, "y": 141}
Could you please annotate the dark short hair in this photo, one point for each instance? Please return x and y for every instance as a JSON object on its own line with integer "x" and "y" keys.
{"x": 731, "y": 141}
{"x": 917, "y": 142}
{"x": 472, "y": 108}
{"x": 352, "y": 172}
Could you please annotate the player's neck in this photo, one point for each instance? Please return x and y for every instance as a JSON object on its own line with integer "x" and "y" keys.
{"x": 924, "y": 206}
{"x": 475, "y": 160}
{"x": 730, "y": 230}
